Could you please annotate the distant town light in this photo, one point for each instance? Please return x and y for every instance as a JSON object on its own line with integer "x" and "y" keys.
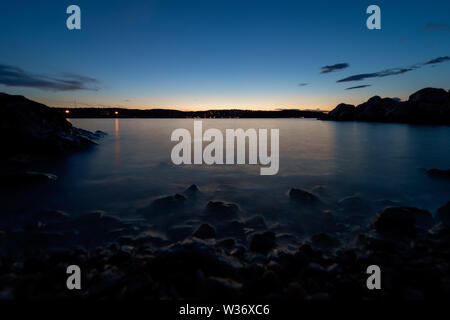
{"x": 116, "y": 112}
{"x": 67, "y": 111}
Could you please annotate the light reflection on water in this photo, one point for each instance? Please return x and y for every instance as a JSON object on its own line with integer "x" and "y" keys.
{"x": 132, "y": 165}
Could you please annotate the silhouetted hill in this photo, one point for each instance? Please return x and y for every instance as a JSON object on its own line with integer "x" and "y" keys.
{"x": 167, "y": 113}
{"x": 428, "y": 106}
{"x": 30, "y": 127}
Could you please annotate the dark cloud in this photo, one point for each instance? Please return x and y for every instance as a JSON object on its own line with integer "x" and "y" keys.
{"x": 438, "y": 60}
{"x": 358, "y": 87}
{"x": 334, "y": 67}
{"x": 393, "y": 71}
{"x": 16, "y": 77}
{"x": 303, "y": 84}
{"x": 437, "y": 27}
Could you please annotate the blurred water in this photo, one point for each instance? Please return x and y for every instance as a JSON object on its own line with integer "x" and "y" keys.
{"x": 132, "y": 165}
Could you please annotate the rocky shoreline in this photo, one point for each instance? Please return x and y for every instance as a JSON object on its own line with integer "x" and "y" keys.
{"x": 30, "y": 132}
{"x": 426, "y": 106}
{"x": 191, "y": 246}
{"x": 219, "y": 253}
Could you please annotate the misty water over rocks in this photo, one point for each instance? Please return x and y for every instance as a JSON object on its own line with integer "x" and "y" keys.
{"x": 141, "y": 227}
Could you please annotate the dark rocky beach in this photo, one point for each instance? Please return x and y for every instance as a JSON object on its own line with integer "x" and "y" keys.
{"x": 191, "y": 246}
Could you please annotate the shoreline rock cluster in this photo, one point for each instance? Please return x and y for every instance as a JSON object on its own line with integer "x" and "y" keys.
{"x": 222, "y": 256}
{"x": 28, "y": 127}
{"x": 29, "y": 132}
{"x": 426, "y": 106}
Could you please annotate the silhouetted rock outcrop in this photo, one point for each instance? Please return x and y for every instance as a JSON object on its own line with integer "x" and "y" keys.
{"x": 28, "y": 127}
{"x": 343, "y": 112}
{"x": 403, "y": 220}
{"x": 428, "y": 105}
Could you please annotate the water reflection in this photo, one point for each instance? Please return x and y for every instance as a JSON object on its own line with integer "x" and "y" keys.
{"x": 116, "y": 143}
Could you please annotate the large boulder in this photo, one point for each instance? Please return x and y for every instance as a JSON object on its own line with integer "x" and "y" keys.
{"x": 205, "y": 231}
{"x": 342, "y": 112}
{"x": 430, "y": 105}
{"x": 28, "y": 127}
{"x": 430, "y": 95}
{"x": 262, "y": 242}
{"x": 403, "y": 220}
{"x": 302, "y": 197}
{"x": 221, "y": 210}
{"x": 375, "y": 109}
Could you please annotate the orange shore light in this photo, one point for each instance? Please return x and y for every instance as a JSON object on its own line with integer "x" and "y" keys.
{"x": 67, "y": 111}
{"x": 116, "y": 112}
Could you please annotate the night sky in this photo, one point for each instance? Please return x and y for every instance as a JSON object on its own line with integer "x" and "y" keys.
{"x": 222, "y": 53}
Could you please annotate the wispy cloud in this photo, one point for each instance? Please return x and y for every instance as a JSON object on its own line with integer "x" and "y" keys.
{"x": 16, "y": 77}
{"x": 358, "y": 87}
{"x": 437, "y": 27}
{"x": 393, "y": 71}
{"x": 303, "y": 84}
{"x": 438, "y": 60}
{"x": 334, "y": 67}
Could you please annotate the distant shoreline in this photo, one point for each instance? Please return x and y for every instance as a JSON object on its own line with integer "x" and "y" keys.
{"x": 173, "y": 114}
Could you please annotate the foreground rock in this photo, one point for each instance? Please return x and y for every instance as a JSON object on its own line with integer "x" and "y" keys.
{"x": 126, "y": 264}
{"x": 28, "y": 127}
{"x": 403, "y": 220}
{"x": 303, "y": 198}
{"x": 428, "y": 105}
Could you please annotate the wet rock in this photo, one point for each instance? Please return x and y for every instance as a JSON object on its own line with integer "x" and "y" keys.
{"x": 205, "y": 231}
{"x": 353, "y": 204}
{"x": 321, "y": 190}
{"x": 221, "y": 210}
{"x": 192, "y": 255}
{"x": 324, "y": 241}
{"x": 383, "y": 203}
{"x": 223, "y": 287}
{"x": 98, "y": 219}
{"x": 262, "y": 242}
{"x": 443, "y": 214}
{"x": 192, "y": 191}
{"x": 256, "y": 223}
{"x": 164, "y": 205}
{"x": 100, "y": 134}
{"x": 302, "y": 197}
{"x": 226, "y": 243}
{"x": 403, "y": 220}
{"x": 179, "y": 232}
{"x": 27, "y": 177}
{"x": 151, "y": 238}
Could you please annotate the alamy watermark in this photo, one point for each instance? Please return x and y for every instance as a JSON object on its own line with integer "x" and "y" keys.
{"x": 213, "y": 153}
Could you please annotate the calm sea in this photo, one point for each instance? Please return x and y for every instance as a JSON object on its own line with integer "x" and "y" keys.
{"x": 131, "y": 166}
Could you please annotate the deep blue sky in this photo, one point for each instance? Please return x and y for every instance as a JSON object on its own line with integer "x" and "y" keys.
{"x": 220, "y": 53}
